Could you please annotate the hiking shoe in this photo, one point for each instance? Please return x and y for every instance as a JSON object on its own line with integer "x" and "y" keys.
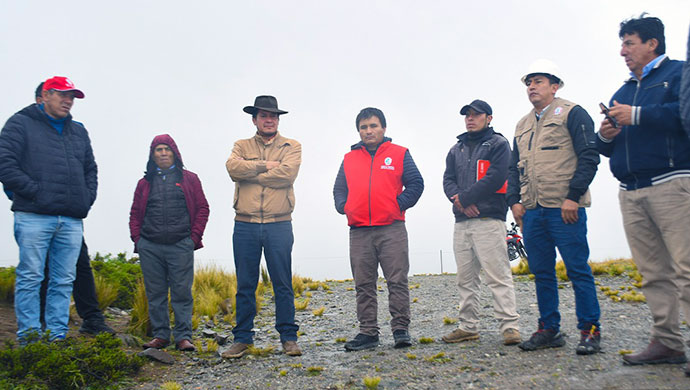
{"x": 362, "y": 341}
{"x": 156, "y": 343}
{"x": 656, "y": 353}
{"x": 236, "y": 351}
{"x": 291, "y": 348}
{"x": 589, "y": 342}
{"x": 402, "y": 338}
{"x": 543, "y": 338}
{"x": 511, "y": 336}
{"x": 95, "y": 327}
{"x": 185, "y": 345}
{"x": 459, "y": 335}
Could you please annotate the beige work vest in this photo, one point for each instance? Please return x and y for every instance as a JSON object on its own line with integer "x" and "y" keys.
{"x": 547, "y": 157}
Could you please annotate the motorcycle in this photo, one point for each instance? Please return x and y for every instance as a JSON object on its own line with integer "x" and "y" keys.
{"x": 516, "y": 249}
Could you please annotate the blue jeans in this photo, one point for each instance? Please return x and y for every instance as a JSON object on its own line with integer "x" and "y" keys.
{"x": 248, "y": 241}
{"x": 37, "y": 236}
{"x": 544, "y": 230}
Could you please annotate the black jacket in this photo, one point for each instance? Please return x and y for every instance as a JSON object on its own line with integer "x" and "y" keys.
{"x": 460, "y": 176}
{"x": 49, "y": 173}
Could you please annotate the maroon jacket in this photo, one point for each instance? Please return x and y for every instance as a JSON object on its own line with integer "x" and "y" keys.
{"x": 191, "y": 187}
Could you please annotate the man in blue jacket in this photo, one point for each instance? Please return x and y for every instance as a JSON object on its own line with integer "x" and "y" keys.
{"x": 47, "y": 163}
{"x": 475, "y": 182}
{"x": 650, "y": 155}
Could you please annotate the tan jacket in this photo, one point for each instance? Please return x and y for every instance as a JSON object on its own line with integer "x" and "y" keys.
{"x": 547, "y": 157}
{"x": 262, "y": 195}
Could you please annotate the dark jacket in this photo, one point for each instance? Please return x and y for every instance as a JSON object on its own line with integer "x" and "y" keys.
{"x": 460, "y": 176}
{"x": 191, "y": 187}
{"x": 410, "y": 178}
{"x": 655, "y": 148}
{"x": 166, "y": 220}
{"x": 685, "y": 93}
{"x": 47, "y": 172}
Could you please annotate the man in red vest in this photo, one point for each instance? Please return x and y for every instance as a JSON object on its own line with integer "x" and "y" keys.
{"x": 376, "y": 183}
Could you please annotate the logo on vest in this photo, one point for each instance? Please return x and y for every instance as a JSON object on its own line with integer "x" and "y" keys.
{"x": 388, "y": 161}
{"x": 558, "y": 110}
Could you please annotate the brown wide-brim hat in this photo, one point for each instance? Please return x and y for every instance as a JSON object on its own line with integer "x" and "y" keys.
{"x": 266, "y": 103}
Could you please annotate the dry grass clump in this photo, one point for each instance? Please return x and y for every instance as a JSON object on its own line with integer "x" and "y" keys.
{"x": 105, "y": 291}
{"x": 139, "y": 324}
{"x": 438, "y": 358}
{"x": 301, "y": 304}
{"x": 426, "y": 340}
{"x": 522, "y": 268}
{"x": 371, "y": 383}
{"x": 314, "y": 370}
{"x": 171, "y": 386}
{"x": 318, "y": 312}
{"x": 449, "y": 321}
{"x": 212, "y": 287}
{"x": 614, "y": 267}
{"x": 261, "y": 352}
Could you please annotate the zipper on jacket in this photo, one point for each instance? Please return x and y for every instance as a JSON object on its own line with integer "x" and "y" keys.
{"x": 669, "y": 145}
{"x": 627, "y": 149}
{"x": 529, "y": 145}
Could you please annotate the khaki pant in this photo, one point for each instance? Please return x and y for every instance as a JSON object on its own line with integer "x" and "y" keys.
{"x": 481, "y": 243}
{"x": 656, "y": 221}
{"x": 387, "y": 246}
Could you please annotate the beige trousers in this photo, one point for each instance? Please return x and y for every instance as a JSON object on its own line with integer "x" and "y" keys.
{"x": 481, "y": 243}
{"x": 657, "y": 221}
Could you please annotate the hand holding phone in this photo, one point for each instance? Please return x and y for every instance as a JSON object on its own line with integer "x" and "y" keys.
{"x": 605, "y": 111}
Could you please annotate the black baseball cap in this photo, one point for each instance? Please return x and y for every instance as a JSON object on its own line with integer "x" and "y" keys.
{"x": 477, "y": 105}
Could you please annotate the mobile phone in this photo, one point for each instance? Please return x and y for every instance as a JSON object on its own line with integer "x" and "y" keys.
{"x": 611, "y": 119}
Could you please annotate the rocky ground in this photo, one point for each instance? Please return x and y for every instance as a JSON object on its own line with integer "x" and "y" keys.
{"x": 485, "y": 363}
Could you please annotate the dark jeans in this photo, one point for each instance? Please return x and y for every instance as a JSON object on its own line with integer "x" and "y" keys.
{"x": 544, "y": 230}
{"x": 248, "y": 241}
{"x": 84, "y": 289}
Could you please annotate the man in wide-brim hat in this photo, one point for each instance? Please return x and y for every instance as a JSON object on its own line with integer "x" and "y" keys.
{"x": 264, "y": 167}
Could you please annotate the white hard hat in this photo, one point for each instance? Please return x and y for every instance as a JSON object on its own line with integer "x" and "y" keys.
{"x": 546, "y": 67}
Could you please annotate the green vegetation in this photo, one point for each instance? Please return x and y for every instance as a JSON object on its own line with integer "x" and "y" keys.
{"x": 171, "y": 386}
{"x": 314, "y": 370}
{"x": 7, "y": 276}
{"x": 318, "y": 312}
{"x": 98, "y": 362}
{"x": 449, "y": 321}
{"x": 118, "y": 272}
{"x": 371, "y": 383}
{"x": 426, "y": 340}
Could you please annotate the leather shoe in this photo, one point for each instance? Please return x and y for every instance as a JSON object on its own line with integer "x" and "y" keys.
{"x": 185, "y": 345}
{"x": 656, "y": 353}
{"x": 157, "y": 343}
{"x": 291, "y": 348}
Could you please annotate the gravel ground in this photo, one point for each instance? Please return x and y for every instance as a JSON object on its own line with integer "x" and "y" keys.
{"x": 485, "y": 363}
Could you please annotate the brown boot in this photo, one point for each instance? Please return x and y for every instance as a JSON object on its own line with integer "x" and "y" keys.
{"x": 291, "y": 348}
{"x": 656, "y": 353}
{"x": 237, "y": 350}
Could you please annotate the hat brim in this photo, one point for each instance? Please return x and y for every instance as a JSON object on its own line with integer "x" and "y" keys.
{"x": 77, "y": 93}
{"x": 464, "y": 110}
{"x": 253, "y": 110}
{"x": 524, "y": 78}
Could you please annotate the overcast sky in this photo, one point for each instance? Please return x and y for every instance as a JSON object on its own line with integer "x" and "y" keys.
{"x": 187, "y": 69}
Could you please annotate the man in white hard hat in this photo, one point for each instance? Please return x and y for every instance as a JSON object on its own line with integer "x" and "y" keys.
{"x": 554, "y": 160}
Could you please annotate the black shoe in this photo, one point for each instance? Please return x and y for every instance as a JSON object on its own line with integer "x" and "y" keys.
{"x": 95, "y": 327}
{"x": 589, "y": 342}
{"x": 543, "y": 338}
{"x": 362, "y": 341}
{"x": 402, "y": 338}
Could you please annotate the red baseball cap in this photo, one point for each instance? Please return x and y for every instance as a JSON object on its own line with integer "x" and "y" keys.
{"x": 62, "y": 84}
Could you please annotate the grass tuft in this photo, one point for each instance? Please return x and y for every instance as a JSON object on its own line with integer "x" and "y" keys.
{"x": 319, "y": 312}
{"x": 426, "y": 340}
{"x": 371, "y": 383}
{"x": 449, "y": 321}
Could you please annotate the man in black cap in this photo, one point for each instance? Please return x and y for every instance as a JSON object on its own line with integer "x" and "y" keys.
{"x": 475, "y": 182}
{"x": 264, "y": 168}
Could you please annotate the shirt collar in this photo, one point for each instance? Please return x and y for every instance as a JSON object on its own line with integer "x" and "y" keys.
{"x": 540, "y": 113}
{"x": 651, "y": 65}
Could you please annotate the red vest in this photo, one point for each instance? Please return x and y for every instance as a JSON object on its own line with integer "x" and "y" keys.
{"x": 373, "y": 185}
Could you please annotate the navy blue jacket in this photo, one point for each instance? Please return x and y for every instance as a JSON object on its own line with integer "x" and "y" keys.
{"x": 48, "y": 173}
{"x": 460, "y": 176}
{"x": 655, "y": 148}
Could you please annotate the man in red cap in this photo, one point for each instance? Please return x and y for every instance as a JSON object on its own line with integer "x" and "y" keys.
{"x": 46, "y": 161}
